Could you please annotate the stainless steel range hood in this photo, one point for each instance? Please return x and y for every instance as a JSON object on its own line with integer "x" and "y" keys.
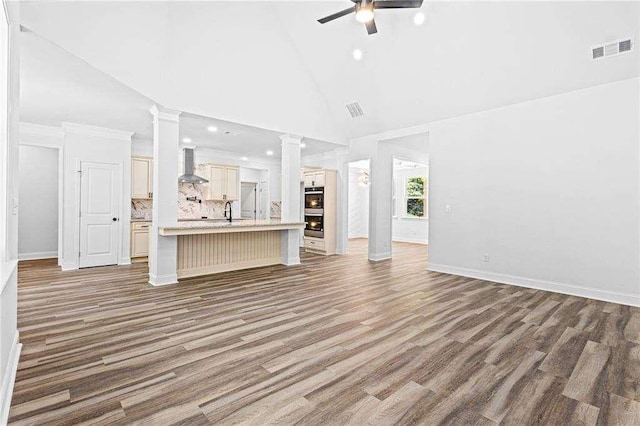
{"x": 188, "y": 176}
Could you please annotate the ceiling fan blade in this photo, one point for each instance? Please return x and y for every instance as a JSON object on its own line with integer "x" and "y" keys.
{"x": 371, "y": 27}
{"x": 337, "y": 15}
{"x": 397, "y": 4}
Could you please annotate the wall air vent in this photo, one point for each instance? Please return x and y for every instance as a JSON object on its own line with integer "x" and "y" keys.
{"x": 355, "y": 110}
{"x": 613, "y": 48}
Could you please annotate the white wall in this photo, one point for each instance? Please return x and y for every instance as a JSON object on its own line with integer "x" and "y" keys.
{"x": 88, "y": 143}
{"x": 38, "y": 221}
{"x": 409, "y": 229}
{"x": 358, "y": 204}
{"x": 548, "y": 188}
{"x": 9, "y": 131}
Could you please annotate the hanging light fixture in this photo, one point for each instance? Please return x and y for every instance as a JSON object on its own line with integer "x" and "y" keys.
{"x": 363, "y": 179}
{"x": 364, "y": 12}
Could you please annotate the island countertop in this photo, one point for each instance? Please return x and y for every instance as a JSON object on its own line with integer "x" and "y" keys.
{"x": 222, "y": 227}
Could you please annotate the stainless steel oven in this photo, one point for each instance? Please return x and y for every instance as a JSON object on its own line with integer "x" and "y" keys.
{"x": 314, "y": 200}
{"x": 314, "y": 226}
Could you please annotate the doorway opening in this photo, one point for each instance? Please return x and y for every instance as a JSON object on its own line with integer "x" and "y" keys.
{"x": 410, "y": 207}
{"x": 358, "y": 206}
{"x": 254, "y": 193}
{"x": 39, "y": 200}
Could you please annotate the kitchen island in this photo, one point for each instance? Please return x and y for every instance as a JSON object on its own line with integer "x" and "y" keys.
{"x": 209, "y": 247}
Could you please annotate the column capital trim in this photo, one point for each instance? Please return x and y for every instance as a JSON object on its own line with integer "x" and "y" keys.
{"x": 165, "y": 114}
{"x": 291, "y": 139}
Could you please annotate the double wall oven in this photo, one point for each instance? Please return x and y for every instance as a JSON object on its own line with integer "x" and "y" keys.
{"x": 314, "y": 212}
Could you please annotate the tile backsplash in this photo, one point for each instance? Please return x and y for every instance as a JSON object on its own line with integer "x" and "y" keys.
{"x": 141, "y": 209}
{"x": 276, "y": 207}
{"x": 193, "y": 209}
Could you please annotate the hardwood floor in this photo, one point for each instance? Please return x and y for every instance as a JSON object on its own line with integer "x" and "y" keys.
{"x": 336, "y": 340}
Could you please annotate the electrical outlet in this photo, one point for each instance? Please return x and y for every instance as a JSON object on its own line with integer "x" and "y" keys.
{"x": 485, "y": 257}
{"x": 447, "y": 208}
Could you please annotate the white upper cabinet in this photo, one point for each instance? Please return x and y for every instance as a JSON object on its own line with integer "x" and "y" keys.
{"x": 312, "y": 179}
{"x": 231, "y": 178}
{"x": 216, "y": 183}
{"x": 223, "y": 183}
{"x": 141, "y": 178}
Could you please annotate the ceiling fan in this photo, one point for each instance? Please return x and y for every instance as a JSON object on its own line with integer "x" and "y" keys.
{"x": 364, "y": 10}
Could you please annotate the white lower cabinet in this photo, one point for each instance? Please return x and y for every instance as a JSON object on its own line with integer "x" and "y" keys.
{"x": 140, "y": 239}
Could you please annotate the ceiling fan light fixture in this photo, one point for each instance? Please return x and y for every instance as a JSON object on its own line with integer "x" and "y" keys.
{"x": 364, "y": 13}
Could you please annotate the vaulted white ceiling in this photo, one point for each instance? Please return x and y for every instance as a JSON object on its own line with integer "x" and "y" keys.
{"x": 56, "y": 86}
{"x": 271, "y": 65}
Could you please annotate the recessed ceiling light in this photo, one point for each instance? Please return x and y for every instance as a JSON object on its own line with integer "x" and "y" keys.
{"x": 269, "y": 152}
{"x": 418, "y": 19}
{"x": 244, "y": 158}
{"x": 186, "y": 140}
{"x": 303, "y": 145}
{"x": 357, "y": 54}
{"x": 212, "y": 128}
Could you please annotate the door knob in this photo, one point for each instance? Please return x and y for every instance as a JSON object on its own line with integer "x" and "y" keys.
{"x": 115, "y": 219}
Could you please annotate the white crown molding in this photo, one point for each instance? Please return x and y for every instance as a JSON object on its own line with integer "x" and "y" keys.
{"x": 209, "y": 154}
{"x": 329, "y": 155}
{"x": 161, "y": 113}
{"x": 95, "y": 131}
{"x": 41, "y": 130}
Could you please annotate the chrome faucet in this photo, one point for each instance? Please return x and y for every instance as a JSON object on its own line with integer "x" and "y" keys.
{"x": 225, "y": 211}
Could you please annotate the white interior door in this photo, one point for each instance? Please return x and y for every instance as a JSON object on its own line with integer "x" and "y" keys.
{"x": 99, "y": 214}
{"x": 248, "y": 200}
{"x": 263, "y": 201}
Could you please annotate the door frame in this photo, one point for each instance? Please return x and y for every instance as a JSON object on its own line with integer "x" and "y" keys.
{"x": 77, "y": 205}
{"x": 342, "y": 240}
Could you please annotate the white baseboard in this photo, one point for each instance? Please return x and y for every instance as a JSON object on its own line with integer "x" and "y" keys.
{"x": 125, "y": 261}
{"x": 291, "y": 261}
{"x": 556, "y": 287}
{"x": 38, "y": 255}
{"x": 159, "y": 280}
{"x": 9, "y": 379}
{"x": 411, "y": 240}
{"x": 377, "y": 257}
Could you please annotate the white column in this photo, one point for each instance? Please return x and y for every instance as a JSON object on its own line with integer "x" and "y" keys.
{"x": 380, "y": 224}
{"x": 163, "y": 251}
{"x": 290, "y": 208}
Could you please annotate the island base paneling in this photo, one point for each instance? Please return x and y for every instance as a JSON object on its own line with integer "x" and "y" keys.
{"x": 204, "y": 254}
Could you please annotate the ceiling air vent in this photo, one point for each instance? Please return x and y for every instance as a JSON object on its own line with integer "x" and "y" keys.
{"x": 355, "y": 110}
{"x": 598, "y": 52}
{"x": 614, "y": 48}
{"x": 624, "y": 46}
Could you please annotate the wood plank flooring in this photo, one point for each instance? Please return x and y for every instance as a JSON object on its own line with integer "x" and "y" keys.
{"x": 336, "y": 340}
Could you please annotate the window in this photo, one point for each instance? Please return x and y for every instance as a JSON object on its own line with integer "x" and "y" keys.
{"x": 416, "y": 195}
